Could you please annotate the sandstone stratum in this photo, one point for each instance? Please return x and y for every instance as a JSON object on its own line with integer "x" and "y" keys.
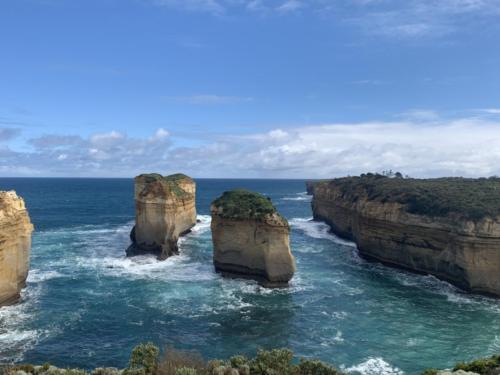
{"x": 15, "y": 246}
{"x": 164, "y": 210}
{"x": 251, "y": 239}
{"x": 446, "y": 227}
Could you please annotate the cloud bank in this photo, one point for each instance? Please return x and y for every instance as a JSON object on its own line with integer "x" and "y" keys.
{"x": 430, "y": 147}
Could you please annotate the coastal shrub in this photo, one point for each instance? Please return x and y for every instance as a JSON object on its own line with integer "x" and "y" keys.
{"x": 480, "y": 366}
{"x": 468, "y": 198}
{"x": 145, "y": 357}
{"x": 244, "y": 204}
{"x": 186, "y": 371}
{"x": 272, "y": 362}
{"x": 174, "y": 359}
{"x": 430, "y": 371}
{"x": 106, "y": 371}
{"x": 314, "y": 367}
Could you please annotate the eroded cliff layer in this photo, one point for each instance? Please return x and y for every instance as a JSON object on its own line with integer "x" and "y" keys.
{"x": 449, "y": 228}
{"x": 164, "y": 210}
{"x": 251, "y": 238}
{"x": 15, "y": 246}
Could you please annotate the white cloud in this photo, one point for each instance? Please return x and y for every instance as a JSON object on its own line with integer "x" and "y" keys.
{"x": 416, "y": 146}
{"x": 290, "y": 6}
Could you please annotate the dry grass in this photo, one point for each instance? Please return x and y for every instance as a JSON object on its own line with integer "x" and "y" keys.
{"x": 174, "y": 359}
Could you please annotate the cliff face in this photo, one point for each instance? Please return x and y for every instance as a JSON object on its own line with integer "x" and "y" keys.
{"x": 461, "y": 251}
{"x": 165, "y": 209}
{"x": 15, "y": 246}
{"x": 251, "y": 242}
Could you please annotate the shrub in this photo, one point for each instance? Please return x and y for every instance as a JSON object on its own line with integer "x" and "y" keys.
{"x": 186, "y": 371}
{"x": 175, "y": 359}
{"x": 244, "y": 204}
{"x": 144, "y": 356}
{"x": 313, "y": 367}
{"x": 481, "y": 366}
{"x": 276, "y": 361}
{"x": 430, "y": 371}
{"x": 468, "y": 198}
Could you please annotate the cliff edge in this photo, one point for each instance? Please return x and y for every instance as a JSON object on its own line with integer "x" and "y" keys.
{"x": 15, "y": 246}
{"x": 446, "y": 227}
{"x": 251, "y": 238}
{"x": 164, "y": 210}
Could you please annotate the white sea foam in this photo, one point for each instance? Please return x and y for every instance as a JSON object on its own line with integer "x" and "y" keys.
{"x": 303, "y": 196}
{"x": 15, "y": 337}
{"x": 38, "y": 275}
{"x": 374, "y": 366}
{"x": 318, "y": 229}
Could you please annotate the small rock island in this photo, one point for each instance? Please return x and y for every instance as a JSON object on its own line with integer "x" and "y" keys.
{"x": 446, "y": 227}
{"x": 165, "y": 209}
{"x": 251, "y": 239}
{"x": 15, "y": 246}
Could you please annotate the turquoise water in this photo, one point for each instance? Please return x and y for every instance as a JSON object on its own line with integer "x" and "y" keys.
{"x": 87, "y": 305}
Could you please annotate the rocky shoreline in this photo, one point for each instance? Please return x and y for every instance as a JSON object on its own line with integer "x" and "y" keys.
{"x": 376, "y": 213}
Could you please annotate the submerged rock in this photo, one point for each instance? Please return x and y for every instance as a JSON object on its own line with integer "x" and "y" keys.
{"x": 164, "y": 210}
{"x": 251, "y": 239}
{"x": 15, "y": 246}
{"x": 448, "y": 227}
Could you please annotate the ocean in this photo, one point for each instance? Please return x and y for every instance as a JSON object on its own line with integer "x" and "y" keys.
{"x": 87, "y": 305}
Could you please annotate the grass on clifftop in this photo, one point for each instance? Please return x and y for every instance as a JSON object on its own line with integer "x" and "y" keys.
{"x": 244, "y": 204}
{"x": 468, "y": 198}
{"x": 171, "y": 182}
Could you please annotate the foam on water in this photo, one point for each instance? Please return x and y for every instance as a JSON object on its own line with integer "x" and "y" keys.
{"x": 15, "y": 339}
{"x": 317, "y": 229}
{"x": 374, "y": 366}
{"x": 303, "y": 196}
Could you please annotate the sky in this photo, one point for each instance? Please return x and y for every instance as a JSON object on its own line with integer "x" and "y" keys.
{"x": 249, "y": 88}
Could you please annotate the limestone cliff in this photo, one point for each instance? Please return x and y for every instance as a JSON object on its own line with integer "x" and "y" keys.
{"x": 251, "y": 238}
{"x": 15, "y": 246}
{"x": 435, "y": 227}
{"x": 164, "y": 210}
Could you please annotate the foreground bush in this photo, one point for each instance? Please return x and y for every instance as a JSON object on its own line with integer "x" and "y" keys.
{"x": 145, "y": 360}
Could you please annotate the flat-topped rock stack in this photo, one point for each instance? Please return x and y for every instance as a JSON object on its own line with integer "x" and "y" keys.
{"x": 15, "y": 246}
{"x": 251, "y": 239}
{"x": 165, "y": 209}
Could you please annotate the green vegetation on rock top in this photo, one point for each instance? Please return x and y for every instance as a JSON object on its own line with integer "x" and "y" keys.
{"x": 468, "y": 198}
{"x": 171, "y": 182}
{"x": 244, "y": 204}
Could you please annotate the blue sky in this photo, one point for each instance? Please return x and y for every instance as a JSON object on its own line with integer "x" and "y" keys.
{"x": 249, "y": 88}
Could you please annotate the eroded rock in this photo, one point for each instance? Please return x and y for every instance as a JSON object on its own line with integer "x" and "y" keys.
{"x": 165, "y": 210}
{"x": 15, "y": 246}
{"x": 251, "y": 239}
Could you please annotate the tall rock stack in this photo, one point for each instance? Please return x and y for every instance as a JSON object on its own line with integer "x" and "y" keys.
{"x": 15, "y": 246}
{"x": 251, "y": 239}
{"x": 164, "y": 210}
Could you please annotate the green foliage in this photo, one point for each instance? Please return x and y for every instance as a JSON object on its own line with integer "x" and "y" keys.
{"x": 244, "y": 204}
{"x": 144, "y": 357}
{"x": 481, "y": 366}
{"x": 467, "y": 198}
{"x": 186, "y": 371}
{"x": 168, "y": 183}
{"x": 272, "y": 362}
{"x": 430, "y": 371}
{"x": 313, "y": 367}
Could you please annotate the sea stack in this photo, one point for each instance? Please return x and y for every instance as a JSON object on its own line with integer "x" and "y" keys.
{"x": 251, "y": 239}
{"x": 15, "y": 246}
{"x": 446, "y": 227}
{"x": 164, "y": 210}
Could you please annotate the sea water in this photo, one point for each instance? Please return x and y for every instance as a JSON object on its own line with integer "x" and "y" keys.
{"x": 87, "y": 305}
